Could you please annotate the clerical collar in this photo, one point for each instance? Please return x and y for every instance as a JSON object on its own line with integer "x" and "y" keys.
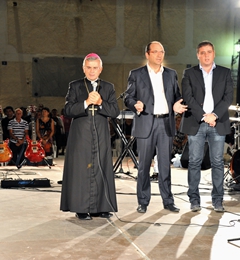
{"x": 92, "y": 80}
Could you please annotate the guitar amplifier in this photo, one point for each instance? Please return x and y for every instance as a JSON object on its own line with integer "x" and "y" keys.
{"x": 41, "y": 182}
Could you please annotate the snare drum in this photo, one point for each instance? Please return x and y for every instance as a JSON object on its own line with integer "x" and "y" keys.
{"x": 235, "y": 166}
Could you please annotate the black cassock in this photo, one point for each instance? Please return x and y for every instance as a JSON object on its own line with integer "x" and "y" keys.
{"x": 88, "y": 177}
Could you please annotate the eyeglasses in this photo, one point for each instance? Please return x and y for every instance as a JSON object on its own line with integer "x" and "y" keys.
{"x": 156, "y": 52}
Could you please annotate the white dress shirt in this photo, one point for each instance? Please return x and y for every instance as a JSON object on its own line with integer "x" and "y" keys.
{"x": 160, "y": 102}
{"x": 208, "y": 104}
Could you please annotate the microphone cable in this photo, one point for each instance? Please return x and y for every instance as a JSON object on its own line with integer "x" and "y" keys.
{"x": 103, "y": 175}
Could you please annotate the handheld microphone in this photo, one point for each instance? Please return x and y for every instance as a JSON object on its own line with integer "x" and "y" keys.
{"x": 94, "y": 84}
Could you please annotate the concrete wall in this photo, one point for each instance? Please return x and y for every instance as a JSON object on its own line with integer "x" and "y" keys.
{"x": 117, "y": 30}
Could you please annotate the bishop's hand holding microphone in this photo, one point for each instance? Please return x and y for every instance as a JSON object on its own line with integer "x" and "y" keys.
{"x": 94, "y": 97}
{"x": 94, "y": 85}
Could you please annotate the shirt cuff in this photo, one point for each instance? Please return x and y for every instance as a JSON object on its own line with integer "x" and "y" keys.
{"x": 215, "y": 115}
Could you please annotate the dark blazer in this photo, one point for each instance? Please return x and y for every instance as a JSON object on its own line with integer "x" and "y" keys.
{"x": 193, "y": 91}
{"x": 140, "y": 88}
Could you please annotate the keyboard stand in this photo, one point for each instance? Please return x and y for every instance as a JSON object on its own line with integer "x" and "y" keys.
{"x": 127, "y": 147}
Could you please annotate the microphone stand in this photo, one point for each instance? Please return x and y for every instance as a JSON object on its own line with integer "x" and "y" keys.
{"x": 122, "y": 128}
{"x": 121, "y": 96}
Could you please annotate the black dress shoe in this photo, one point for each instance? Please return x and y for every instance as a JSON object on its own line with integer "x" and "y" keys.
{"x": 83, "y": 216}
{"x": 171, "y": 207}
{"x": 141, "y": 208}
{"x": 95, "y": 215}
{"x": 105, "y": 215}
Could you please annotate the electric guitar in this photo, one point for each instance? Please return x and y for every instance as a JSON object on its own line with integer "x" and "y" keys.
{"x": 34, "y": 152}
{"x": 5, "y": 151}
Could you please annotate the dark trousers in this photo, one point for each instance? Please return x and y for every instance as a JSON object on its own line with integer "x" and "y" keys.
{"x": 18, "y": 153}
{"x": 163, "y": 143}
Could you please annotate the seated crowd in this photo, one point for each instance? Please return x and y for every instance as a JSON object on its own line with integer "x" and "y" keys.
{"x": 34, "y": 123}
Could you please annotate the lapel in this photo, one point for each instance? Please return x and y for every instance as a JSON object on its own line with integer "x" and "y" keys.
{"x": 166, "y": 79}
{"x": 215, "y": 78}
{"x": 198, "y": 74}
{"x": 146, "y": 78}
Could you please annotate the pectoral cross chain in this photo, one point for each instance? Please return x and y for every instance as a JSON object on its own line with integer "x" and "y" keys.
{"x": 92, "y": 109}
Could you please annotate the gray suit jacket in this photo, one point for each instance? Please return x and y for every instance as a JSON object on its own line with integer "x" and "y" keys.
{"x": 193, "y": 94}
{"x": 140, "y": 88}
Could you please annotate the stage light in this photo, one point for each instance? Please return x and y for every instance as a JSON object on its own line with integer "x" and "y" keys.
{"x": 237, "y": 46}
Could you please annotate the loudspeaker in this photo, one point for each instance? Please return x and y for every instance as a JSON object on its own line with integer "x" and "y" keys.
{"x": 206, "y": 164}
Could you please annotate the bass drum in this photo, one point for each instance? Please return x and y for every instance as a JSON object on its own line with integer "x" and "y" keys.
{"x": 235, "y": 166}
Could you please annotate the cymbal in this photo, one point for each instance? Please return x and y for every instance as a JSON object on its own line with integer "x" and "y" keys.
{"x": 235, "y": 108}
{"x": 234, "y": 119}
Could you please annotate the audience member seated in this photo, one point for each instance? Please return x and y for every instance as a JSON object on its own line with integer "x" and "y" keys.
{"x": 18, "y": 130}
{"x": 58, "y": 131}
{"x": 45, "y": 131}
{"x": 9, "y": 115}
{"x": 26, "y": 116}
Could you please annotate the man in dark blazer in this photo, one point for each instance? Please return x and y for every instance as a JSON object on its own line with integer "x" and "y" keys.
{"x": 208, "y": 92}
{"x": 153, "y": 95}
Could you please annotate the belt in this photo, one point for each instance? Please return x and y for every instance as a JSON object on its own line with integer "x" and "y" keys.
{"x": 161, "y": 115}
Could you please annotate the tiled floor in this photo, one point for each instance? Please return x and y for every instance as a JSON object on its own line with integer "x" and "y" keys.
{"x": 33, "y": 227}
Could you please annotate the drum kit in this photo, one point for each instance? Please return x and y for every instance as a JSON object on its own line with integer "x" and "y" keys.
{"x": 234, "y": 167}
{"x": 235, "y": 148}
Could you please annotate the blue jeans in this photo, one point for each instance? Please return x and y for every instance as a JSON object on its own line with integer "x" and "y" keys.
{"x": 196, "y": 152}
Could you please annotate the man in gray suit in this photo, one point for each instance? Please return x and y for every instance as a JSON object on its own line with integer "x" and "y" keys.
{"x": 153, "y": 95}
{"x": 208, "y": 92}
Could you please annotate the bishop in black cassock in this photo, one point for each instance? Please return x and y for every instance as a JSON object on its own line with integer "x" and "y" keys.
{"x": 88, "y": 186}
